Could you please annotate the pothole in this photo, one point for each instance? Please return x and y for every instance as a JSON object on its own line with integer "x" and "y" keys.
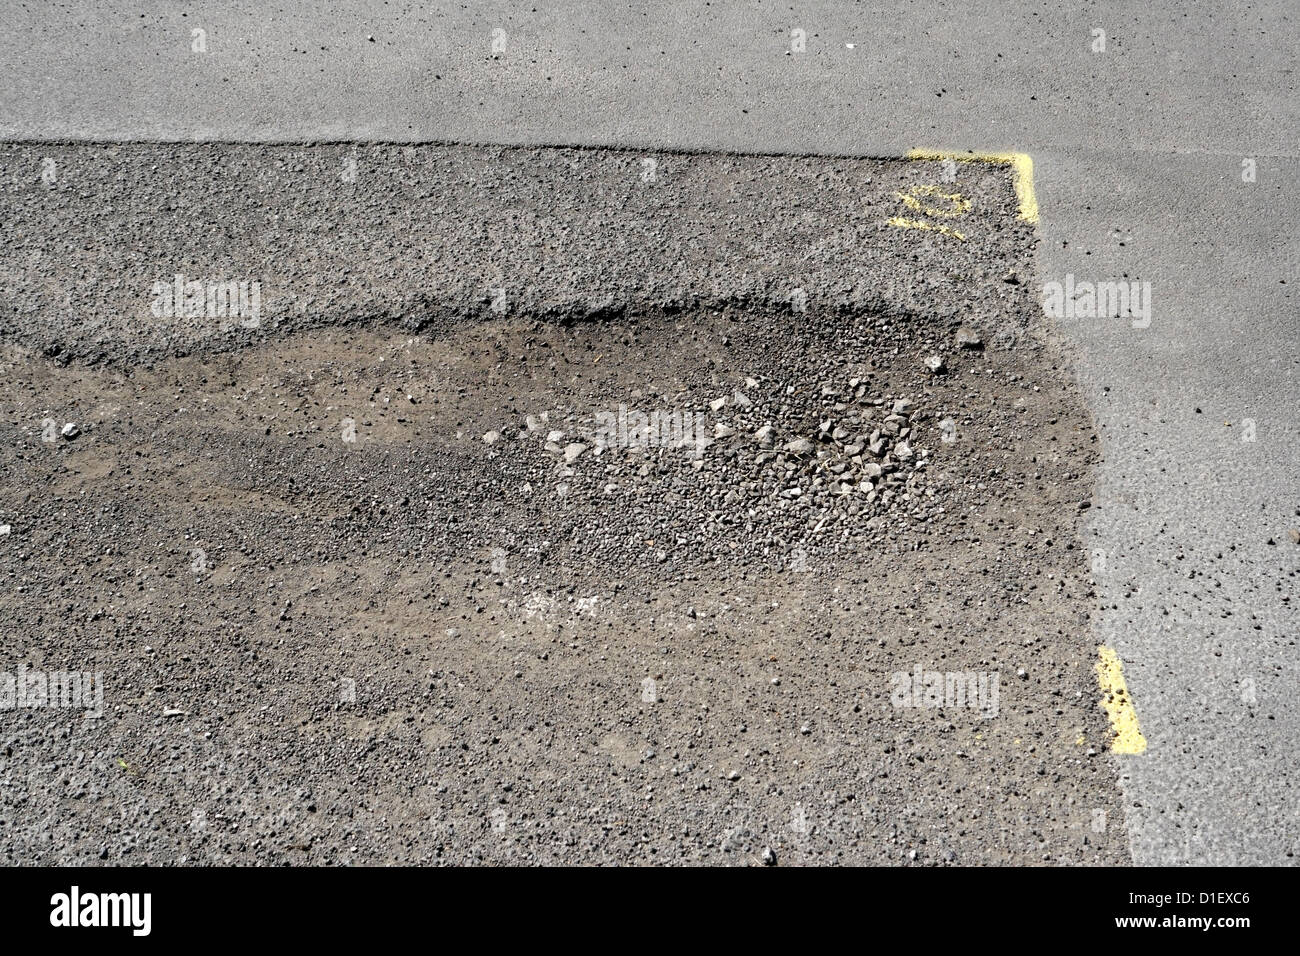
{"x": 624, "y": 569}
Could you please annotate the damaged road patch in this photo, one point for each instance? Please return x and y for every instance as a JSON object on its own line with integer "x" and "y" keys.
{"x": 541, "y": 505}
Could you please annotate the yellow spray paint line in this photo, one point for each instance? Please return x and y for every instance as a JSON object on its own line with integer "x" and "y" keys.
{"x": 959, "y": 204}
{"x": 1118, "y": 704}
{"x": 1021, "y": 164}
{"x": 918, "y": 224}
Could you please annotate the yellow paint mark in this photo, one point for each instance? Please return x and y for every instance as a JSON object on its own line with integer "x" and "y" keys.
{"x": 1119, "y": 706}
{"x": 1021, "y": 164}
{"x": 918, "y": 224}
{"x": 960, "y": 205}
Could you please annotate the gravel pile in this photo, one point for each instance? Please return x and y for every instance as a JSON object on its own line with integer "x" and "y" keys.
{"x": 785, "y": 468}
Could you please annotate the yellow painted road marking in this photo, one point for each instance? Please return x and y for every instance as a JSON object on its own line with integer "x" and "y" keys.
{"x": 1118, "y": 704}
{"x": 1021, "y": 164}
{"x": 959, "y": 205}
{"x": 918, "y": 224}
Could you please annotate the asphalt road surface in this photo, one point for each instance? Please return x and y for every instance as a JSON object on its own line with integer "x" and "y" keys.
{"x": 1164, "y": 152}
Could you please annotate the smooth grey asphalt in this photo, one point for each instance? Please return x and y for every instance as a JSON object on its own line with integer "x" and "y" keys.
{"x": 1139, "y": 154}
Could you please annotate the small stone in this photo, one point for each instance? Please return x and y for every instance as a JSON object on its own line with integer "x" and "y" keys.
{"x": 734, "y": 775}
{"x": 903, "y": 451}
{"x": 1294, "y": 534}
{"x": 968, "y": 339}
{"x": 573, "y": 451}
{"x": 491, "y": 437}
{"x": 799, "y": 446}
{"x": 902, "y": 406}
{"x": 718, "y": 404}
{"x": 555, "y": 437}
{"x": 723, "y": 431}
{"x": 763, "y": 434}
{"x": 935, "y": 364}
{"x": 769, "y": 856}
{"x": 805, "y": 730}
{"x": 70, "y": 430}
